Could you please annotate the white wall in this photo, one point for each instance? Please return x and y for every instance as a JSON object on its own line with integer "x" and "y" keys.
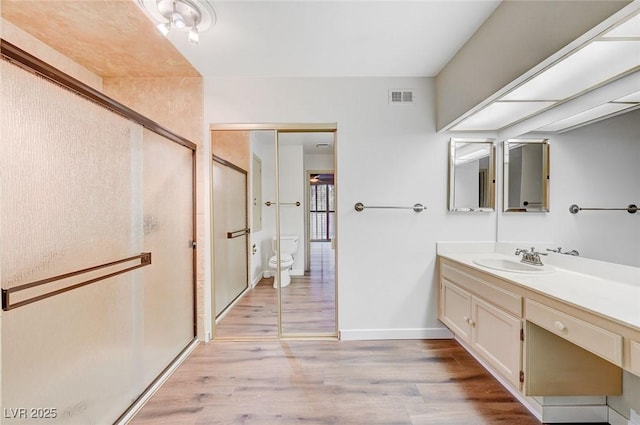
{"x": 262, "y": 146}
{"x": 292, "y": 188}
{"x": 466, "y": 188}
{"x": 386, "y": 155}
{"x": 322, "y": 162}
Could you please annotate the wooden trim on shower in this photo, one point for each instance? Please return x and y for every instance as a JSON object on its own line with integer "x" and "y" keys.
{"x": 144, "y": 258}
{"x": 35, "y": 65}
{"x": 194, "y": 240}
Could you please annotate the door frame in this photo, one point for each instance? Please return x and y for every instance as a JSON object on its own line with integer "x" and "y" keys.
{"x": 292, "y": 128}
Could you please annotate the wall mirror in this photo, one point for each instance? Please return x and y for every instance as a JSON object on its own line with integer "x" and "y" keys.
{"x": 471, "y": 175}
{"x": 526, "y": 175}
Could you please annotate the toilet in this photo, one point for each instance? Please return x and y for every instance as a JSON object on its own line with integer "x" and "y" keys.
{"x": 288, "y": 247}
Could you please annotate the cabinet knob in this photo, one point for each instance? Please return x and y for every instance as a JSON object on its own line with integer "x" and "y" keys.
{"x": 559, "y": 325}
{"x": 466, "y": 319}
{"x": 472, "y": 323}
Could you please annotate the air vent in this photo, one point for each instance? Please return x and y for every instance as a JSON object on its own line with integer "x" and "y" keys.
{"x": 401, "y": 96}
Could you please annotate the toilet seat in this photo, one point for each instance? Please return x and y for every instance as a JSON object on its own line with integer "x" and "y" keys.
{"x": 285, "y": 261}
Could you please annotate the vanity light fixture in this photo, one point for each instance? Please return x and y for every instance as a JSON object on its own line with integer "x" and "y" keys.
{"x": 193, "y": 16}
{"x": 610, "y": 56}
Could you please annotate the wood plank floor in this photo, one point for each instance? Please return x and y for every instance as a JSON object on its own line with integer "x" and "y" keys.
{"x": 308, "y": 303}
{"x": 331, "y": 382}
{"x": 324, "y": 382}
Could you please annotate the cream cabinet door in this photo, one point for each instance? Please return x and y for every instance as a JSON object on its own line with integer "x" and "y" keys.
{"x": 456, "y": 309}
{"x": 495, "y": 335}
{"x": 635, "y": 358}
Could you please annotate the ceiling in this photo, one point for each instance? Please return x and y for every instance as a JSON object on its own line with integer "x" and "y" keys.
{"x": 355, "y": 38}
{"x": 265, "y": 38}
{"x": 302, "y": 38}
{"x": 111, "y": 38}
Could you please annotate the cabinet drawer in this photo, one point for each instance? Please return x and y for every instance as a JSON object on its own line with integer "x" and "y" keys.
{"x": 480, "y": 286}
{"x": 605, "y": 344}
{"x": 635, "y": 357}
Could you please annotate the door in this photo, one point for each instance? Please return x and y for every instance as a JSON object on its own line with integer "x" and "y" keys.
{"x": 308, "y": 300}
{"x": 496, "y": 336}
{"x": 456, "y": 309}
{"x": 278, "y": 162}
{"x": 230, "y": 230}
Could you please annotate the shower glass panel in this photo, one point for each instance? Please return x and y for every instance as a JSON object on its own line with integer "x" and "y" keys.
{"x": 307, "y": 297}
{"x": 81, "y": 186}
{"x": 168, "y": 230}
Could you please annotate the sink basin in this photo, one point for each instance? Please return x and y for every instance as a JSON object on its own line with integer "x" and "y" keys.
{"x": 513, "y": 266}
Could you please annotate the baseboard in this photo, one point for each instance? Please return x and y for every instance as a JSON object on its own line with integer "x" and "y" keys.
{"x": 128, "y": 415}
{"x": 257, "y": 279}
{"x": 575, "y": 414}
{"x": 411, "y": 333}
{"x": 616, "y": 418}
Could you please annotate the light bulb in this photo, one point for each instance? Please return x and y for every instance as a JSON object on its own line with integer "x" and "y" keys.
{"x": 164, "y": 28}
{"x": 194, "y": 35}
{"x": 177, "y": 20}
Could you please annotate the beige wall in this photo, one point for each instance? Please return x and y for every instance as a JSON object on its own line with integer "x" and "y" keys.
{"x": 29, "y": 43}
{"x": 233, "y": 146}
{"x": 173, "y": 102}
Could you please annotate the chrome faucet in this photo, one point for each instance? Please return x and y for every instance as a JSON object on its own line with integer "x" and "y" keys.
{"x": 559, "y": 251}
{"x": 530, "y": 257}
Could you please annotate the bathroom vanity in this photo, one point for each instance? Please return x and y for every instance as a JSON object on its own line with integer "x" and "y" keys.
{"x": 558, "y": 336}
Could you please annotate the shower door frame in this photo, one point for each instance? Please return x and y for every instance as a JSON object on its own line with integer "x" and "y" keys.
{"x": 278, "y": 128}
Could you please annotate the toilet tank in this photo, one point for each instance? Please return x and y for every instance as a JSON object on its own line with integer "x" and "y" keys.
{"x": 288, "y": 244}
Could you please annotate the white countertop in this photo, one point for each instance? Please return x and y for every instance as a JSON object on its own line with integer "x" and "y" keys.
{"x": 607, "y": 289}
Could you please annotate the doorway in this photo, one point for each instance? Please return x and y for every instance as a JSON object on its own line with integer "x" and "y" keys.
{"x": 321, "y": 212}
{"x": 285, "y": 297}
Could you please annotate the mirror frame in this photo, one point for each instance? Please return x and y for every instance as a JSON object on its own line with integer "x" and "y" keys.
{"x": 452, "y": 175}
{"x": 544, "y": 207}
